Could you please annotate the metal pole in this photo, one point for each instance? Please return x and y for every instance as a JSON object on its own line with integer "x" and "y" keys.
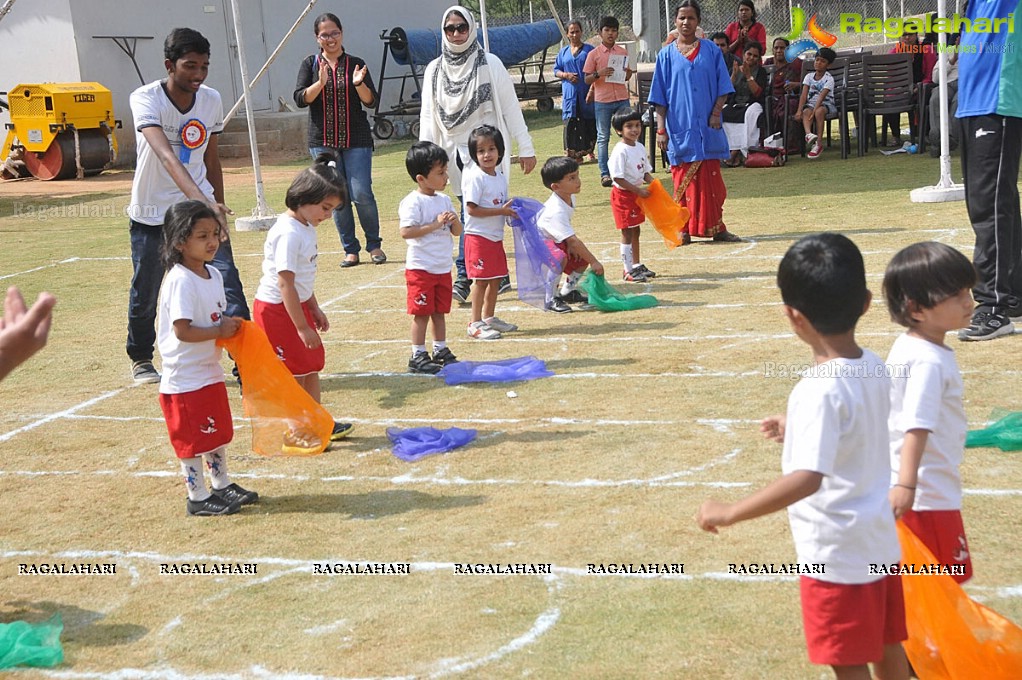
{"x": 482, "y": 18}
{"x": 6, "y": 8}
{"x": 557, "y": 17}
{"x": 262, "y": 211}
{"x": 262, "y": 71}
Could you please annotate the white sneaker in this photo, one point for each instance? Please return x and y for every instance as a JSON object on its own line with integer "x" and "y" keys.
{"x": 481, "y": 331}
{"x": 815, "y": 151}
{"x": 811, "y": 139}
{"x": 498, "y": 325}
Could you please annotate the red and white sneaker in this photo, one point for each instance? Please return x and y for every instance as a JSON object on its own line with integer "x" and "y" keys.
{"x": 480, "y": 330}
{"x": 815, "y": 151}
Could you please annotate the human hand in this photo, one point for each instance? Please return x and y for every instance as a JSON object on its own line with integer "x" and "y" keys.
{"x": 712, "y": 515}
{"x": 715, "y": 120}
{"x": 222, "y": 211}
{"x": 446, "y": 218}
{"x": 507, "y": 211}
{"x": 570, "y": 77}
{"x": 528, "y": 163}
{"x": 661, "y": 141}
{"x": 324, "y": 72}
{"x": 744, "y": 33}
{"x": 598, "y": 269}
{"x": 319, "y": 318}
{"x": 901, "y": 499}
{"x": 772, "y": 428}
{"x": 310, "y": 338}
{"x": 605, "y": 71}
{"x": 642, "y": 191}
{"x": 229, "y": 326}
{"x": 23, "y": 331}
{"x": 358, "y": 75}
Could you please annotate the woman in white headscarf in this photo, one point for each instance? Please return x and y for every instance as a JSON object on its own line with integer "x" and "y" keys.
{"x": 463, "y": 88}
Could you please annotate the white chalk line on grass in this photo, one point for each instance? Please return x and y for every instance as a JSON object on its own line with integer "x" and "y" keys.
{"x": 60, "y": 414}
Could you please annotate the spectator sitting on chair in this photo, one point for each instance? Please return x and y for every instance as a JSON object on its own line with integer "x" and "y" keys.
{"x": 785, "y": 79}
{"x": 952, "y": 102}
{"x": 817, "y": 100}
{"x": 720, "y": 40}
{"x": 744, "y": 108}
{"x": 923, "y": 59}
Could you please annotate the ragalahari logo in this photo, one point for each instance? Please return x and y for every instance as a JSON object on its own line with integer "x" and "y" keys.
{"x": 817, "y": 36}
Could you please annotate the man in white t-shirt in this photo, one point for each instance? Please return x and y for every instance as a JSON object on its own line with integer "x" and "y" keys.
{"x": 177, "y": 121}
{"x": 835, "y": 466}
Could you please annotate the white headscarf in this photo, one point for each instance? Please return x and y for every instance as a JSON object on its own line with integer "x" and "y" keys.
{"x": 462, "y": 90}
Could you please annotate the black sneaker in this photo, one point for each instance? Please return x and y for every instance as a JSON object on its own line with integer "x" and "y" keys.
{"x": 987, "y": 325}
{"x": 214, "y": 505}
{"x": 505, "y": 285}
{"x": 634, "y": 276}
{"x": 1014, "y": 313}
{"x": 144, "y": 372}
{"x": 650, "y": 274}
{"x": 558, "y": 306}
{"x": 575, "y": 297}
{"x": 421, "y": 363}
{"x": 235, "y": 494}
{"x": 444, "y": 357}
{"x": 341, "y": 430}
{"x": 462, "y": 291}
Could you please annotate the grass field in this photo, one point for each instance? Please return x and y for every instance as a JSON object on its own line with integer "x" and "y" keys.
{"x": 649, "y": 413}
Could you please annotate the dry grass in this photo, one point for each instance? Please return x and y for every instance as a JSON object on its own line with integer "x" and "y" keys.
{"x": 650, "y": 413}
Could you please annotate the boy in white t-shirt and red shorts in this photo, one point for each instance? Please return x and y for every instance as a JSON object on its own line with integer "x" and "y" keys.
{"x": 428, "y": 223}
{"x": 835, "y": 466}
{"x": 630, "y": 170}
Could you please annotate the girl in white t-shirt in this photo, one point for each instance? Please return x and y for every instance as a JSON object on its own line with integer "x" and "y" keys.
{"x": 285, "y": 303}
{"x": 487, "y": 206}
{"x": 928, "y": 290}
{"x": 192, "y": 392}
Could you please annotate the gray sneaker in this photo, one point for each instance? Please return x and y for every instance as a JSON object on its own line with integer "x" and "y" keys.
{"x": 501, "y": 326}
{"x": 144, "y": 372}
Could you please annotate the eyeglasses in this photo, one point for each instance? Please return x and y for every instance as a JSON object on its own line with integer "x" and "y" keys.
{"x": 332, "y": 35}
{"x": 451, "y": 29}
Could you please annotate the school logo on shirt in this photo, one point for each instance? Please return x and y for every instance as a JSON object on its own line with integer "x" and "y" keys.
{"x": 215, "y": 317}
{"x": 210, "y": 426}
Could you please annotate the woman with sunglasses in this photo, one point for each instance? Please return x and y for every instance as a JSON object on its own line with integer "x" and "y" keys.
{"x": 463, "y": 88}
{"x": 337, "y": 88}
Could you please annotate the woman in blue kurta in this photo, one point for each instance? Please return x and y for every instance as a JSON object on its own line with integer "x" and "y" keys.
{"x": 579, "y": 116}
{"x": 690, "y": 86}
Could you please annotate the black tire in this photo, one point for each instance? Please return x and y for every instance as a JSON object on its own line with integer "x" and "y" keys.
{"x": 545, "y": 104}
{"x": 413, "y": 129}
{"x": 383, "y": 129}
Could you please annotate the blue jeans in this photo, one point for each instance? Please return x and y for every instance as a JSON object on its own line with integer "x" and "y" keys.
{"x": 146, "y": 242}
{"x": 356, "y": 164}
{"x": 603, "y": 116}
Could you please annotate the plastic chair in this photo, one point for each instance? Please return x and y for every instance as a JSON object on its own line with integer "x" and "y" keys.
{"x": 886, "y": 88}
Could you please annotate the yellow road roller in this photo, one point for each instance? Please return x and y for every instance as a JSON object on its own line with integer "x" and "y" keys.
{"x": 61, "y": 130}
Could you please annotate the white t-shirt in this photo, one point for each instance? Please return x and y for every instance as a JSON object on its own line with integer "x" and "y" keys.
{"x": 434, "y": 251}
{"x": 486, "y": 191}
{"x": 837, "y": 426}
{"x": 153, "y": 190}
{"x": 554, "y": 219}
{"x": 290, "y": 247}
{"x": 926, "y": 394}
{"x": 189, "y": 366}
{"x": 629, "y": 163}
{"x": 818, "y": 86}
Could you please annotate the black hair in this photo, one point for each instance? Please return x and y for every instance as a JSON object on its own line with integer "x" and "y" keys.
{"x": 624, "y": 115}
{"x": 326, "y": 16}
{"x": 719, "y": 35}
{"x": 786, "y": 42}
{"x": 178, "y": 223}
{"x": 926, "y": 274}
{"x": 610, "y": 22}
{"x": 690, "y": 3}
{"x": 748, "y": 3}
{"x": 827, "y": 53}
{"x": 422, "y": 157}
{"x": 317, "y": 183}
{"x": 181, "y": 41}
{"x": 754, "y": 44}
{"x": 573, "y": 22}
{"x": 557, "y": 168}
{"x": 486, "y": 132}
{"x": 824, "y": 278}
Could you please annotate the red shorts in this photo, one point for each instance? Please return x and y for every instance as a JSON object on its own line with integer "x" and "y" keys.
{"x": 572, "y": 263}
{"x": 627, "y": 213}
{"x": 943, "y": 533}
{"x": 198, "y": 422}
{"x": 484, "y": 259}
{"x": 428, "y": 293}
{"x": 284, "y": 338}
{"x": 849, "y": 624}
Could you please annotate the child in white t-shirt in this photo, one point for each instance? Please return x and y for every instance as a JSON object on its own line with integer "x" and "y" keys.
{"x": 560, "y": 175}
{"x": 817, "y": 100}
{"x": 630, "y": 170}
{"x": 428, "y": 224}
{"x": 192, "y": 392}
{"x": 835, "y": 463}
{"x": 487, "y": 206}
{"x": 928, "y": 287}
{"x": 285, "y": 303}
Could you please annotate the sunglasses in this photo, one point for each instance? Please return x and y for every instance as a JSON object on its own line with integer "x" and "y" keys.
{"x": 451, "y": 29}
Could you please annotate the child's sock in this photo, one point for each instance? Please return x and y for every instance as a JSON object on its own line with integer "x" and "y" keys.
{"x": 570, "y": 283}
{"x": 216, "y": 463}
{"x": 191, "y": 468}
{"x": 637, "y": 264}
{"x": 417, "y": 348}
{"x": 626, "y": 256}
{"x": 439, "y": 345}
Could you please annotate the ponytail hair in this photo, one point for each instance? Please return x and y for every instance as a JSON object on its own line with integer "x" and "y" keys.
{"x": 316, "y": 183}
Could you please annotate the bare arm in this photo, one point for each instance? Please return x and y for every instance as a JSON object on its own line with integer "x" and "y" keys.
{"x": 903, "y": 494}
{"x": 289, "y": 296}
{"x": 186, "y": 332}
{"x": 777, "y": 495}
{"x": 23, "y": 331}
{"x": 578, "y": 249}
{"x": 478, "y": 211}
{"x": 446, "y": 217}
{"x": 628, "y": 186}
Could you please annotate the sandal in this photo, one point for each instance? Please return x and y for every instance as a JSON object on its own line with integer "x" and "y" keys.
{"x": 349, "y": 261}
{"x": 380, "y": 257}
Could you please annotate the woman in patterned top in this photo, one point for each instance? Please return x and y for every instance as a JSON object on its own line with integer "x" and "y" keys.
{"x": 336, "y": 87}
